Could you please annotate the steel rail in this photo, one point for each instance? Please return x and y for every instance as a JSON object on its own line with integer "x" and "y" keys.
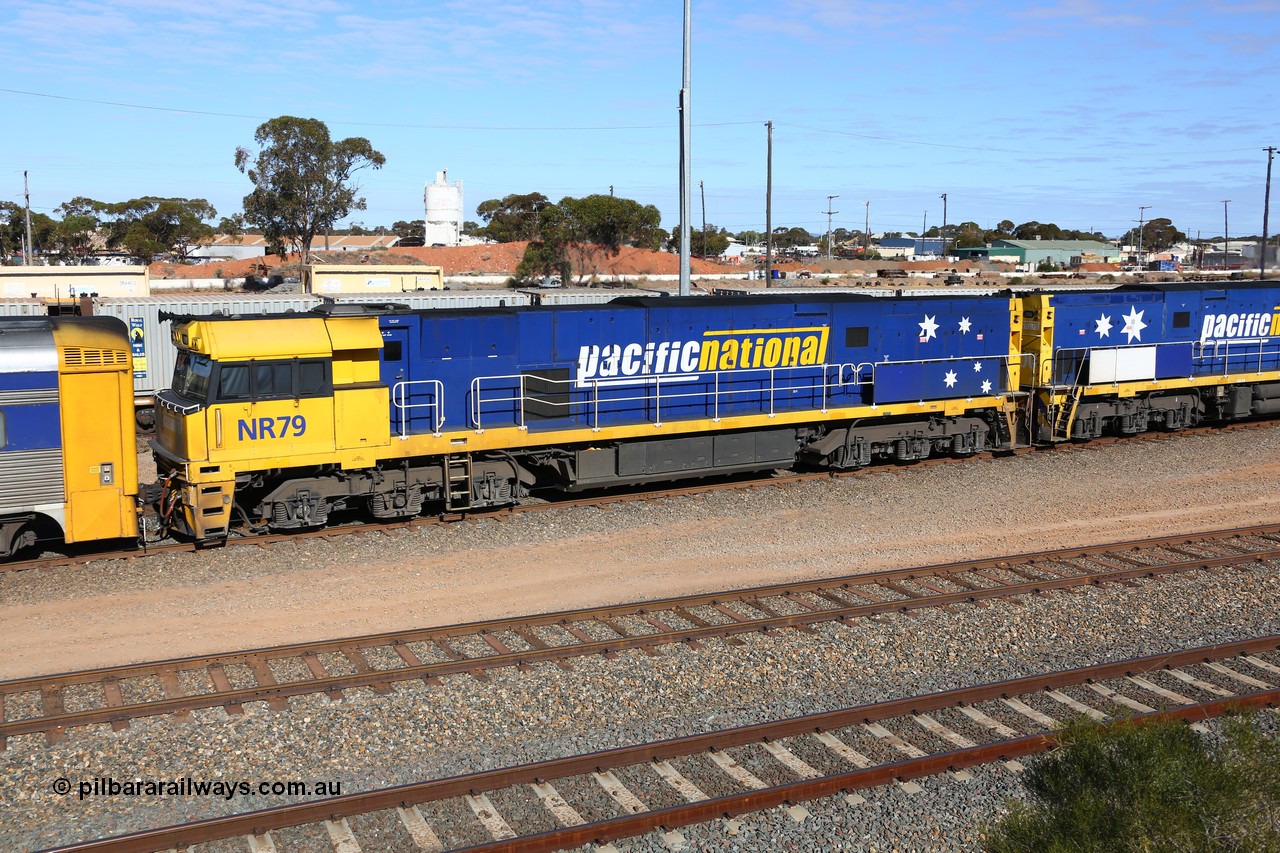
{"x": 600, "y": 500}
{"x": 604, "y": 831}
{"x": 280, "y": 817}
{"x": 611, "y": 611}
{"x": 383, "y": 677}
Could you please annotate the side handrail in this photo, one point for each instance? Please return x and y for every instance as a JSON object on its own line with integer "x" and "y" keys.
{"x": 1203, "y": 354}
{"x": 654, "y": 390}
{"x": 399, "y": 398}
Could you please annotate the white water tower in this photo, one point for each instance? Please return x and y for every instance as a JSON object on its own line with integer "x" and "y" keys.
{"x": 443, "y": 200}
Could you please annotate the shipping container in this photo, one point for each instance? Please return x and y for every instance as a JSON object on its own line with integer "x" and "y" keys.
{"x": 23, "y": 308}
{"x": 69, "y": 283}
{"x": 329, "y": 279}
{"x": 587, "y": 295}
{"x": 439, "y": 298}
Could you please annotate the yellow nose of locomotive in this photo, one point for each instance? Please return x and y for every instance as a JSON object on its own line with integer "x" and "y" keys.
{"x": 286, "y": 395}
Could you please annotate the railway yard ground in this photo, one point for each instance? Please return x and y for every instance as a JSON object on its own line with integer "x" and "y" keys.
{"x": 122, "y": 611}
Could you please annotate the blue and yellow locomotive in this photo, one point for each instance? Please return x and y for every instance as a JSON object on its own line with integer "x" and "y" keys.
{"x": 287, "y": 419}
{"x": 1165, "y": 356}
{"x": 68, "y": 454}
{"x": 280, "y": 421}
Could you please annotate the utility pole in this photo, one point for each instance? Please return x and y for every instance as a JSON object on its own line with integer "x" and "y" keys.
{"x": 29, "y": 250}
{"x": 944, "y": 225}
{"x": 610, "y": 189}
{"x": 1226, "y": 234}
{"x": 685, "y": 173}
{"x": 924, "y": 226}
{"x": 768, "y": 210}
{"x": 830, "y": 213}
{"x": 703, "y": 193}
{"x": 1142, "y": 263}
{"x": 1266, "y": 214}
{"x": 866, "y": 232}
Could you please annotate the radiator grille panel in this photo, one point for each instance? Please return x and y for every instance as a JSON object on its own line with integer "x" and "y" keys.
{"x": 83, "y": 357}
{"x": 29, "y": 477}
{"x": 28, "y": 397}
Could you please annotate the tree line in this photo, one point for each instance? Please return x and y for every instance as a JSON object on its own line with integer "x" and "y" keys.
{"x": 304, "y": 184}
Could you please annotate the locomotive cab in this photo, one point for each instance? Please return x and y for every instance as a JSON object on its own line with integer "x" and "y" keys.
{"x": 247, "y": 399}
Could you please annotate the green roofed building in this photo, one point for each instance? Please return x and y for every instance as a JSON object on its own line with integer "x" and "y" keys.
{"x": 1035, "y": 252}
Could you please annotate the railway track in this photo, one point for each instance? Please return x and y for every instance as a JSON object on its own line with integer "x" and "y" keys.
{"x": 54, "y": 704}
{"x": 713, "y": 777}
{"x": 242, "y": 537}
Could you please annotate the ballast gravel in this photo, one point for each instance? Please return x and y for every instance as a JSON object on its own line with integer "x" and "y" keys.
{"x": 464, "y": 724}
{"x": 168, "y": 606}
{"x": 885, "y": 517}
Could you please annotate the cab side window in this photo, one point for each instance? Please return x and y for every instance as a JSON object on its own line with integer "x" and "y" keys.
{"x": 233, "y": 382}
{"x": 4, "y": 431}
{"x": 274, "y": 380}
{"x": 314, "y": 379}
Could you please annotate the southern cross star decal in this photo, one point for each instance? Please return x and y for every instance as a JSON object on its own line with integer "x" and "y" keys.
{"x": 928, "y": 329}
{"x": 965, "y": 325}
{"x": 950, "y": 378}
{"x": 1133, "y": 324}
{"x": 1104, "y": 326}
{"x": 977, "y": 367}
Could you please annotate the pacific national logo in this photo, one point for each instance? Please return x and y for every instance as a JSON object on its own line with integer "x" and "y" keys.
{"x": 1221, "y": 327}
{"x": 748, "y": 349}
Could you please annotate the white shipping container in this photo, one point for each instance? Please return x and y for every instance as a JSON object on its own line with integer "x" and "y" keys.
{"x": 23, "y": 308}
{"x": 439, "y": 299}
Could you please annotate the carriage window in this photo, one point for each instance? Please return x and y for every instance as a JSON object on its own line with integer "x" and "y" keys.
{"x": 233, "y": 382}
{"x": 4, "y": 431}
{"x": 272, "y": 380}
{"x": 1182, "y": 319}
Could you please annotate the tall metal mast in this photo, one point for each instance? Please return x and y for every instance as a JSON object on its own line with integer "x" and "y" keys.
{"x": 685, "y": 169}
{"x": 29, "y": 251}
{"x": 768, "y": 210}
{"x": 1266, "y": 214}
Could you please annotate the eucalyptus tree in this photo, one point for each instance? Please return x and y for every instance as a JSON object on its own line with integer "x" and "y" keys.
{"x": 302, "y": 179}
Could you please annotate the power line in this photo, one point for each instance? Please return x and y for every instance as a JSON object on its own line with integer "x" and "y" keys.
{"x": 988, "y": 148}
{"x": 368, "y": 123}
{"x": 611, "y": 127}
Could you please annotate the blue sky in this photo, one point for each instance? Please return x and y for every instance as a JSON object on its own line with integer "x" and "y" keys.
{"x": 1075, "y": 112}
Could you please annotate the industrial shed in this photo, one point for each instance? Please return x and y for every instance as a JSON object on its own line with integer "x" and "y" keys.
{"x": 1061, "y": 252}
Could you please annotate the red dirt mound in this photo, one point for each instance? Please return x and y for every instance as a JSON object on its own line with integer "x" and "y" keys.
{"x": 487, "y": 259}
